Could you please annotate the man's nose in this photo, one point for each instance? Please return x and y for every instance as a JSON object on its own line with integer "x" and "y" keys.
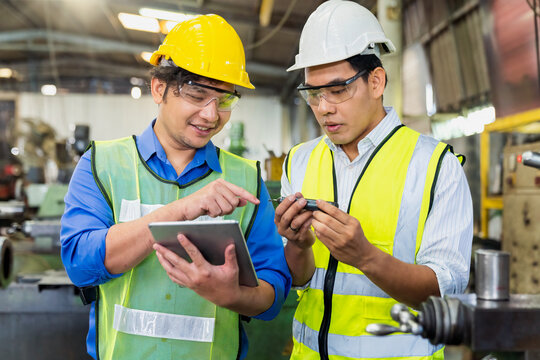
{"x": 210, "y": 111}
{"x": 324, "y": 106}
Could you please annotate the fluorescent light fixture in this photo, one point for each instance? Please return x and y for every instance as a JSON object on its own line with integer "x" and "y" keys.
{"x": 166, "y": 15}
{"x": 48, "y": 90}
{"x": 460, "y": 126}
{"x": 135, "y": 81}
{"x": 141, "y": 23}
{"x": 431, "y": 108}
{"x": 136, "y": 92}
{"x": 146, "y": 55}
{"x": 6, "y": 73}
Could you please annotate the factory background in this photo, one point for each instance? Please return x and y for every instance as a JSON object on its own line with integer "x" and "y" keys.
{"x": 71, "y": 71}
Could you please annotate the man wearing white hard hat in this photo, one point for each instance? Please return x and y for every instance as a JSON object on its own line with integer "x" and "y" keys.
{"x": 403, "y": 229}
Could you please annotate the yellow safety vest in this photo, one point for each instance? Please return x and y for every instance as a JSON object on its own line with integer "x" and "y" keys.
{"x": 143, "y": 314}
{"x": 391, "y": 199}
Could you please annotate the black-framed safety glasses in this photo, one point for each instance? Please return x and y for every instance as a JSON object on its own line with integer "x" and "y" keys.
{"x": 201, "y": 95}
{"x": 334, "y": 93}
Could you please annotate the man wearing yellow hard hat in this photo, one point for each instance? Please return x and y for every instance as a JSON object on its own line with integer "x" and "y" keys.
{"x": 148, "y": 303}
{"x": 402, "y": 230}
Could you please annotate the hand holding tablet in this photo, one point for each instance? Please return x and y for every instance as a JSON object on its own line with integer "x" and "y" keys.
{"x": 211, "y": 238}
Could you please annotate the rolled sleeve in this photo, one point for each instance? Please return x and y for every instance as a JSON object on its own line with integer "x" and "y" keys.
{"x": 266, "y": 250}
{"x": 447, "y": 240}
{"x": 85, "y": 223}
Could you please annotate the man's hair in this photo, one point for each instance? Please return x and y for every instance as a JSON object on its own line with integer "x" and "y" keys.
{"x": 174, "y": 76}
{"x": 368, "y": 63}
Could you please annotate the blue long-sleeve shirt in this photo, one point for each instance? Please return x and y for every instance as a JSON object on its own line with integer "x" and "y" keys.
{"x": 88, "y": 217}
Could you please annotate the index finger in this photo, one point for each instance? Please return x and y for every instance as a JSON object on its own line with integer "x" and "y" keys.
{"x": 241, "y": 193}
{"x": 331, "y": 210}
{"x": 287, "y": 202}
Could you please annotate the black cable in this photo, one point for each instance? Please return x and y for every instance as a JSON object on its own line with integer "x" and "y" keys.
{"x": 536, "y": 41}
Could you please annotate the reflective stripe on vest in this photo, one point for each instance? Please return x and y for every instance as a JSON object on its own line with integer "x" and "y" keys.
{"x": 347, "y": 284}
{"x": 366, "y": 346}
{"x": 168, "y": 326}
{"x": 391, "y": 200}
{"x": 143, "y": 314}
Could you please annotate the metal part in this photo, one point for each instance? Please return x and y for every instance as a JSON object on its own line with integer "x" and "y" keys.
{"x": 11, "y": 209}
{"x": 6, "y": 261}
{"x": 311, "y": 204}
{"x": 492, "y": 274}
{"x": 483, "y": 325}
{"x": 511, "y": 325}
{"x": 531, "y": 158}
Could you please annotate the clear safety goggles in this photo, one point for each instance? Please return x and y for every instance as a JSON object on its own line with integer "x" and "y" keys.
{"x": 201, "y": 95}
{"x": 333, "y": 93}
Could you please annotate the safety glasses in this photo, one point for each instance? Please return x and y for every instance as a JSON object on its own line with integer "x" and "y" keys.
{"x": 333, "y": 93}
{"x": 201, "y": 95}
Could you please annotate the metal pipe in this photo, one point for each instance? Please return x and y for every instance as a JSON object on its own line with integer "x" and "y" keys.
{"x": 6, "y": 261}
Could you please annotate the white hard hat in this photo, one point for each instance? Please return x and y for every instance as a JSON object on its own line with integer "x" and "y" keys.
{"x": 337, "y": 30}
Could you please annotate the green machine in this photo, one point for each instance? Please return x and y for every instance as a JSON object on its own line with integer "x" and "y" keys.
{"x": 272, "y": 340}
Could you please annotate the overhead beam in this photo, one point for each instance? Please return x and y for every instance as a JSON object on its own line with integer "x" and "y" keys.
{"x": 79, "y": 64}
{"x": 22, "y": 40}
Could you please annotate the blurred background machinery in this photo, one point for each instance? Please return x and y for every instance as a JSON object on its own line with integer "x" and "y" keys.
{"x": 521, "y": 217}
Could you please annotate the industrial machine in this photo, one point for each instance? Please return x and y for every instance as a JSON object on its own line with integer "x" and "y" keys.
{"x": 521, "y": 216}
{"x": 492, "y": 319}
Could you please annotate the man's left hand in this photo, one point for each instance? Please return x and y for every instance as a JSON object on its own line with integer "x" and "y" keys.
{"x": 218, "y": 284}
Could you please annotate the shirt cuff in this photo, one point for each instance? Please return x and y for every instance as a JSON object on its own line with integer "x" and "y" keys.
{"x": 444, "y": 278}
{"x": 279, "y": 294}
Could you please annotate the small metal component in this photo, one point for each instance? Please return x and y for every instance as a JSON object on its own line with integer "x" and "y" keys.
{"x": 531, "y": 158}
{"x": 381, "y": 329}
{"x": 408, "y": 322}
{"x": 311, "y": 204}
{"x": 492, "y": 274}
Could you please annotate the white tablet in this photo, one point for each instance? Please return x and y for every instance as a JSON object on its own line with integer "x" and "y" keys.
{"x": 211, "y": 238}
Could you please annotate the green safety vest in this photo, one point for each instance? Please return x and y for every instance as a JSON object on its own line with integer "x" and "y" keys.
{"x": 391, "y": 199}
{"x": 143, "y": 314}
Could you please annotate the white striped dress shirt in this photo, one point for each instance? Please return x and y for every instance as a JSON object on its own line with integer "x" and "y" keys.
{"x": 447, "y": 239}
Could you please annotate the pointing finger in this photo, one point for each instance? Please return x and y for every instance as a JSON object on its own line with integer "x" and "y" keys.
{"x": 243, "y": 194}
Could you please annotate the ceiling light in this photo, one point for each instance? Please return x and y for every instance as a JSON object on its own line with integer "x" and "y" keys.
{"x": 166, "y": 15}
{"x": 141, "y": 23}
{"x": 49, "y": 90}
{"x": 135, "y": 81}
{"x": 136, "y": 92}
{"x": 6, "y": 73}
{"x": 146, "y": 55}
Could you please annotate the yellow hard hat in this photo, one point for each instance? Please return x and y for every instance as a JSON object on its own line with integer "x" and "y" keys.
{"x": 208, "y": 46}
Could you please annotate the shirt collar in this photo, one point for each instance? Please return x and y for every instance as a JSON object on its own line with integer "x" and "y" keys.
{"x": 149, "y": 145}
{"x": 378, "y": 134}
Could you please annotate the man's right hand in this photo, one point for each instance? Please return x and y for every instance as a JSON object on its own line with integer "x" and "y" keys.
{"x": 216, "y": 199}
{"x": 293, "y": 222}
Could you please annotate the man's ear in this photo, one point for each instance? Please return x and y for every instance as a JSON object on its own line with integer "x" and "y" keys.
{"x": 377, "y": 82}
{"x": 157, "y": 88}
